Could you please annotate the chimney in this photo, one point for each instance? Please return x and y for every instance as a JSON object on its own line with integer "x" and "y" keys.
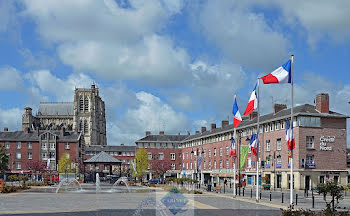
{"x": 161, "y": 132}
{"x": 322, "y": 103}
{"x": 26, "y": 130}
{"x": 279, "y": 107}
{"x": 224, "y": 123}
{"x": 253, "y": 115}
{"x": 6, "y": 129}
{"x": 212, "y": 126}
{"x": 148, "y": 133}
{"x": 63, "y": 131}
{"x": 122, "y": 144}
{"x": 203, "y": 129}
{"x": 197, "y": 132}
{"x": 188, "y": 133}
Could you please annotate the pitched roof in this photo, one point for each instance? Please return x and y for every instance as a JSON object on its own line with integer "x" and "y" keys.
{"x": 51, "y": 108}
{"x": 163, "y": 138}
{"x": 110, "y": 148}
{"x": 102, "y": 157}
{"x": 32, "y": 136}
{"x": 304, "y": 110}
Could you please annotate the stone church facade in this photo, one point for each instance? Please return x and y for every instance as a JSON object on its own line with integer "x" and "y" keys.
{"x": 86, "y": 114}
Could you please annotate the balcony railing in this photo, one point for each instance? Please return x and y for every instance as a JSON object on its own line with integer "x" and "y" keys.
{"x": 310, "y": 165}
{"x": 278, "y": 165}
{"x": 267, "y": 165}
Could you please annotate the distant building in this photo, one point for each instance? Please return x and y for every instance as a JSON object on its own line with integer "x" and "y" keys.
{"x": 86, "y": 114}
{"x": 163, "y": 147}
{"x": 28, "y": 146}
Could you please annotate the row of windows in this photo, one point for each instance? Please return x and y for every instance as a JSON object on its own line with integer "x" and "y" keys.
{"x": 30, "y": 145}
{"x": 157, "y": 145}
{"x": 84, "y": 104}
{"x": 160, "y": 156}
{"x": 44, "y": 155}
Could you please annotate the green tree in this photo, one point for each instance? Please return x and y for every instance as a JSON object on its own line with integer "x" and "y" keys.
{"x": 65, "y": 164}
{"x": 336, "y": 191}
{"x": 4, "y": 159}
{"x": 141, "y": 160}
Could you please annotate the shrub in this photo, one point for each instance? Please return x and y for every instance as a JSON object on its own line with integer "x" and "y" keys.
{"x": 13, "y": 178}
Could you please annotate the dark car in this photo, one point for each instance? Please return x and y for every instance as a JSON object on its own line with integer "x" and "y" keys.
{"x": 155, "y": 181}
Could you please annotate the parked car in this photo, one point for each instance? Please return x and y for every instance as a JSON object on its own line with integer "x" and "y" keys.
{"x": 155, "y": 181}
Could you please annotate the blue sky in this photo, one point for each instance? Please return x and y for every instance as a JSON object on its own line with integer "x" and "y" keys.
{"x": 170, "y": 65}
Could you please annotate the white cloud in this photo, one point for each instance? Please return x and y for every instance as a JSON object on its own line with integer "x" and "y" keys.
{"x": 10, "y": 79}
{"x": 243, "y": 35}
{"x": 116, "y": 42}
{"x": 11, "y": 118}
{"x": 6, "y": 15}
{"x": 37, "y": 60}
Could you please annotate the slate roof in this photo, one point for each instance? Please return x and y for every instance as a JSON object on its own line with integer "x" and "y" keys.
{"x": 102, "y": 157}
{"x": 51, "y": 108}
{"x": 163, "y": 138}
{"x": 110, "y": 148}
{"x": 33, "y": 136}
{"x": 304, "y": 110}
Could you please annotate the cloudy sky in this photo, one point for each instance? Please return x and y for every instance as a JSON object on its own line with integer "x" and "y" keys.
{"x": 171, "y": 65}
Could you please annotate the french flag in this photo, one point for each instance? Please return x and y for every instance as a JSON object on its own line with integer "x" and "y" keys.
{"x": 290, "y": 136}
{"x": 233, "y": 148}
{"x": 253, "y": 144}
{"x": 237, "y": 119}
{"x": 280, "y": 75}
{"x": 253, "y": 102}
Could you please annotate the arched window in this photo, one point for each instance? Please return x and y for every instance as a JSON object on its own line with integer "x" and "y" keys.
{"x": 86, "y": 127}
{"x": 86, "y": 104}
{"x": 81, "y": 104}
{"x": 81, "y": 126}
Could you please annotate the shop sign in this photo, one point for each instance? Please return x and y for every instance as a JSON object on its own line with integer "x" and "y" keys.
{"x": 324, "y": 140}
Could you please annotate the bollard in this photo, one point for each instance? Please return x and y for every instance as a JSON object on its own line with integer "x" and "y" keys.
{"x": 313, "y": 201}
{"x": 243, "y": 191}
{"x": 312, "y": 191}
{"x": 260, "y": 195}
{"x": 270, "y": 196}
{"x": 239, "y": 191}
{"x": 236, "y": 190}
{"x": 307, "y": 193}
{"x": 251, "y": 193}
{"x": 282, "y": 197}
{"x": 296, "y": 199}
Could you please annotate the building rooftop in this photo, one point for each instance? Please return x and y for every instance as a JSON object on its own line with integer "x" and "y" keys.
{"x": 110, "y": 148}
{"x": 33, "y": 136}
{"x": 53, "y": 108}
{"x": 102, "y": 157}
{"x": 304, "y": 110}
{"x": 163, "y": 138}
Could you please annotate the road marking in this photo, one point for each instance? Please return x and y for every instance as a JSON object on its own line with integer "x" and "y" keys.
{"x": 200, "y": 205}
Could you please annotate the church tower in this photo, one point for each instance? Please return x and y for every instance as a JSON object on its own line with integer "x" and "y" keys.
{"x": 89, "y": 115}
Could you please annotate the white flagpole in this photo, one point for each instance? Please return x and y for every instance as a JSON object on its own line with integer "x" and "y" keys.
{"x": 257, "y": 148}
{"x": 291, "y": 126}
{"x": 234, "y": 164}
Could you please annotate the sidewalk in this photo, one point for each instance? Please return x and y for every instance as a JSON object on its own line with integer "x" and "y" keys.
{"x": 303, "y": 201}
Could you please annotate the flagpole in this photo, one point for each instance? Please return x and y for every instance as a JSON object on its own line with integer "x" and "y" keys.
{"x": 257, "y": 148}
{"x": 291, "y": 126}
{"x": 234, "y": 164}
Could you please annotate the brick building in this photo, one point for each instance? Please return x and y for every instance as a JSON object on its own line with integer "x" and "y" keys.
{"x": 320, "y": 153}
{"x": 27, "y": 146}
{"x": 163, "y": 147}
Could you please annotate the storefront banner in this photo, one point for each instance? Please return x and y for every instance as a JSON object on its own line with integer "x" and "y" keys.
{"x": 243, "y": 156}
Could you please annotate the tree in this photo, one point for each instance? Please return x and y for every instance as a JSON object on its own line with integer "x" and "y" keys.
{"x": 335, "y": 190}
{"x": 141, "y": 160}
{"x": 160, "y": 167}
{"x": 4, "y": 159}
{"x": 36, "y": 166}
{"x": 65, "y": 164}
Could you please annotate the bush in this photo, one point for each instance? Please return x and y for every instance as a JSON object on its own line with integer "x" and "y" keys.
{"x": 36, "y": 184}
{"x": 12, "y": 189}
{"x": 197, "y": 192}
{"x": 13, "y": 178}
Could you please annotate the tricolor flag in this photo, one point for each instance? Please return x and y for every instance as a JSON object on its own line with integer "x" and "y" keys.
{"x": 290, "y": 136}
{"x": 253, "y": 102}
{"x": 280, "y": 75}
{"x": 233, "y": 148}
{"x": 236, "y": 115}
{"x": 253, "y": 144}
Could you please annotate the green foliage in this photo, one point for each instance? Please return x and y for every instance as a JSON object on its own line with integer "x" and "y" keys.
{"x": 180, "y": 180}
{"x": 141, "y": 160}
{"x": 65, "y": 164}
{"x": 4, "y": 159}
{"x": 297, "y": 212}
{"x": 12, "y": 189}
{"x": 13, "y": 178}
{"x": 334, "y": 190}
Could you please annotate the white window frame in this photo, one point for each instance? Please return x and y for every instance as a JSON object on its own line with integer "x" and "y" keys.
{"x": 227, "y": 150}
{"x": 30, "y": 155}
{"x": 191, "y": 165}
{"x": 149, "y": 155}
{"x": 221, "y": 152}
{"x": 161, "y": 156}
{"x": 18, "y": 155}
{"x": 214, "y": 152}
{"x": 268, "y": 145}
{"x": 173, "y": 166}
{"x": 307, "y": 159}
{"x": 18, "y": 145}
{"x": 44, "y": 155}
{"x": 249, "y": 163}
{"x": 7, "y": 145}
{"x": 249, "y": 150}
{"x": 66, "y": 146}
{"x": 279, "y": 144}
{"x": 29, "y": 145}
{"x": 209, "y": 153}
{"x": 271, "y": 126}
{"x": 279, "y": 160}
{"x": 227, "y": 164}
{"x": 172, "y": 156}
{"x": 221, "y": 164}
{"x": 44, "y": 145}
{"x": 18, "y": 165}
{"x": 52, "y": 145}
{"x": 282, "y": 124}
{"x": 277, "y": 125}
{"x": 308, "y": 142}
{"x": 215, "y": 164}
